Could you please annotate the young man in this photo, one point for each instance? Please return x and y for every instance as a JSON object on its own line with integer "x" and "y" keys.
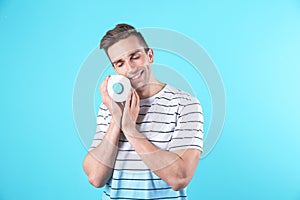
{"x": 149, "y": 147}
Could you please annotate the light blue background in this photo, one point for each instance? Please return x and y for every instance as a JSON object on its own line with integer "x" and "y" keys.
{"x": 254, "y": 44}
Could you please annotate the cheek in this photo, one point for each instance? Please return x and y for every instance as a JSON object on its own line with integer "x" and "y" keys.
{"x": 146, "y": 73}
{"x": 143, "y": 62}
{"x": 121, "y": 71}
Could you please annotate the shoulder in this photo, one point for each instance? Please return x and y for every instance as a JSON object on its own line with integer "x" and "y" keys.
{"x": 181, "y": 97}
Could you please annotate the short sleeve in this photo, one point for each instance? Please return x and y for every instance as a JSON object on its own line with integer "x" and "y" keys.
{"x": 188, "y": 131}
{"x": 103, "y": 121}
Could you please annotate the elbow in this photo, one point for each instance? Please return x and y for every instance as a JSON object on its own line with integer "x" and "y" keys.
{"x": 178, "y": 181}
{"x": 93, "y": 178}
{"x": 96, "y": 182}
{"x": 85, "y": 166}
{"x": 179, "y": 184}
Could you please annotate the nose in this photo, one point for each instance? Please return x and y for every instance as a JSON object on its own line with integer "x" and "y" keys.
{"x": 130, "y": 66}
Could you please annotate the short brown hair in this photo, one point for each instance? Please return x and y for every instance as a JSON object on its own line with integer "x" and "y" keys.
{"x": 121, "y": 31}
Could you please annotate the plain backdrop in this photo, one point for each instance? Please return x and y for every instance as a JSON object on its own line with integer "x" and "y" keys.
{"x": 254, "y": 44}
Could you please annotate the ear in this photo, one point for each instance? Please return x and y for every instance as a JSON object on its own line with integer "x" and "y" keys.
{"x": 150, "y": 54}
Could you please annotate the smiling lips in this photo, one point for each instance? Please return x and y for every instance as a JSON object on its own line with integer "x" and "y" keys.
{"x": 137, "y": 76}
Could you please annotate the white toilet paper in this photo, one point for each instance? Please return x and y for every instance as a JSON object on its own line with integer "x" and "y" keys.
{"x": 124, "y": 87}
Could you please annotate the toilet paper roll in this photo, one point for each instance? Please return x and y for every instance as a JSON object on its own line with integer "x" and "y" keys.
{"x": 118, "y": 88}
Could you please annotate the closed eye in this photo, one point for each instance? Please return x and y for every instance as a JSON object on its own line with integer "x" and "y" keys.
{"x": 118, "y": 64}
{"x": 136, "y": 56}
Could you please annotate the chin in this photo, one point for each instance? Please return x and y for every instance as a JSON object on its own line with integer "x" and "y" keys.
{"x": 142, "y": 84}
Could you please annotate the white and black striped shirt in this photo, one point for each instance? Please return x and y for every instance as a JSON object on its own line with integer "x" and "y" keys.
{"x": 172, "y": 120}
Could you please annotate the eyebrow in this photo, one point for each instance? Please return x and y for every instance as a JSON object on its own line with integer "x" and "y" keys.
{"x": 137, "y": 51}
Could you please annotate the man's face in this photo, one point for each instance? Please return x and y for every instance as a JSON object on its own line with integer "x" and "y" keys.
{"x": 130, "y": 59}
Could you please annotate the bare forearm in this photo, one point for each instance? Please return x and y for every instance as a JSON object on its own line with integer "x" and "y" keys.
{"x": 105, "y": 153}
{"x": 169, "y": 166}
{"x": 99, "y": 162}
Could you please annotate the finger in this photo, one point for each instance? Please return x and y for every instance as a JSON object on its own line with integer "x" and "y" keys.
{"x": 127, "y": 103}
{"x": 137, "y": 98}
{"x": 133, "y": 100}
{"x": 121, "y": 105}
{"x": 129, "y": 99}
{"x": 103, "y": 87}
{"x": 103, "y": 83}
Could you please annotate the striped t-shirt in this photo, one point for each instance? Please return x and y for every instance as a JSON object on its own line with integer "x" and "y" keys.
{"x": 172, "y": 120}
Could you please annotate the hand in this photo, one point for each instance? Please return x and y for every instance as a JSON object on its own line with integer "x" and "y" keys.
{"x": 116, "y": 109}
{"x": 130, "y": 113}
